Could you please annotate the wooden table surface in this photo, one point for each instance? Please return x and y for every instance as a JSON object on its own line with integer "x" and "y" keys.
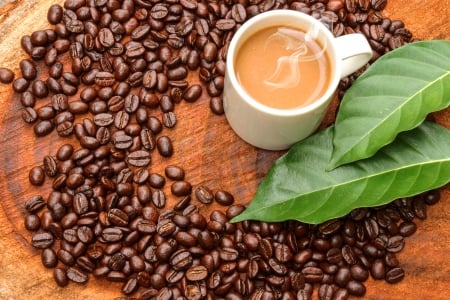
{"x": 210, "y": 153}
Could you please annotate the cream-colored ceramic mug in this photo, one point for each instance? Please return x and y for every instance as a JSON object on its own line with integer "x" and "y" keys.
{"x": 276, "y": 129}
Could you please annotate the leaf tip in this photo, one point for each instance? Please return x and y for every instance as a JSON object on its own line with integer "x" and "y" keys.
{"x": 239, "y": 218}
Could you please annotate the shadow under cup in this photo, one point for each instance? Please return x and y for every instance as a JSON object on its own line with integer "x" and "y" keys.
{"x": 273, "y": 128}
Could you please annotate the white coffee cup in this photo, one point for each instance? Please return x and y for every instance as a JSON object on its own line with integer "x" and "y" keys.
{"x": 277, "y": 129}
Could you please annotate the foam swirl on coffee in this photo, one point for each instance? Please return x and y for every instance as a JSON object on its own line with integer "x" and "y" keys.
{"x": 287, "y": 73}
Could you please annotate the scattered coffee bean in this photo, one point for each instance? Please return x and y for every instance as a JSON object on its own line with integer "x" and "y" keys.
{"x": 174, "y": 172}
{"x": 6, "y": 75}
{"x": 204, "y": 194}
{"x": 224, "y": 198}
{"x": 42, "y": 240}
{"x": 164, "y": 145}
{"x": 32, "y": 222}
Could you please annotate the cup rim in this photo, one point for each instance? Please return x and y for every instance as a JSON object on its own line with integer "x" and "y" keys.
{"x": 232, "y": 51}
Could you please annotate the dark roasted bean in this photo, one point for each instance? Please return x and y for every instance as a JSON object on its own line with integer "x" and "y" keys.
{"x": 169, "y": 119}
{"x": 181, "y": 188}
{"x": 224, "y": 198}
{"x": 164, "y": 145}
{"x": 42, "y": 240}
{"x": 312, "y": 274}
{"x": 174, "y": 172}
{"x": 192, "y": 93}
{"x": 395, "y": 275}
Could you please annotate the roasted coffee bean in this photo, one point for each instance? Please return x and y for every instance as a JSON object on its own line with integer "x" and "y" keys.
{"x": 183, "y": 203}
{"x": 28, "y": 69}
{"x": 184, "y": 27}
{"x": 139, "y": 158}
{"x": 166, "y": 103}
{"x": 356, "y": 288}
{"x": 196, "y": 273}
{"x": 228, "y": 254}
{"x": 164, "y": 145}
{"x": 169, "y": 119}
{"x": 181, "y": 188}
{"x": 407, "y": 228}
{"x": 204, "y": 194}
{"x": 282, "y": 253}
{"x": 326, "y": 292}
{"x": 80, "y": 203}
{"x": 32, "y": 222}
{"x": 177, "y": 73}
{"x": 42, "y": 240}
{"x": 158, "y": 198}
{"x": 349, "y": 255}
{"x": 277, "y": 267}
{"x": 312, "y": 274}
{"x": 234, "y": 210}
{"x": 181, "y": 260}
{"x": 343, "y": 276}
{"x": 378, "y": 4}
{"x": 20, "y": 85}
{"x": 36, "y": 175}
{"x": 112, "y": 234}
{"x": 395, "y": 244}
{"x": 116, "y": 276}
{"x": 75, "y": 274}
{"x": 216, "y": 105}
{"x": 185, "y": 239}
{"x": 70, "y": 236}
{"x": 85, "y": 234}
{"x": 121, "y": 120}
{"x": 166, "y": 228}
{"x": 174, "y": 172}
{"x": 225, "y": 24}
{"x": 420, "y": 209}
{"x": 395, "y": 275}
{"x": 60, "y": 277}
{"x": 104, "y": 79}
{"x": 378, "y": 270}
{"x": 40, "y": 89}
{"x": 192, "y": 93}
{"x": 117, "y": 217}
{"x": 156, "y": 181}
{"x": 117, "y": 261}
{"x": 29, "y": 115}
{"x": 122, "y": 142}
{"x": 265, "y": 248}
{"x": 103, "y": 119}
{"x": 251, "y": 241}
{"x": 35, "y": 203}
{"x": 66, "y": 257}
{"x": 224, "y": 198}
{"x": 432, "y": 197}
{"x": 359, "y": 273}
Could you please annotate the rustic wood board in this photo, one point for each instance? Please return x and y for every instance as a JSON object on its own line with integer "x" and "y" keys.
{"x": 210, "y": 153}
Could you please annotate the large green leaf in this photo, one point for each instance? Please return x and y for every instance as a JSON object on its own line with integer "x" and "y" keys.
{"x": 394, "y": 95}
{"x": 298, "y": 187}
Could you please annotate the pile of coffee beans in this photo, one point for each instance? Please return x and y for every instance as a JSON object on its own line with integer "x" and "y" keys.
{"x": 110, "y": 73}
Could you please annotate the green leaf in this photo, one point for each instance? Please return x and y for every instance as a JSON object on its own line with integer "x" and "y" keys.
{"x": 394, "y": 95}
{"x": 298, "y": 187}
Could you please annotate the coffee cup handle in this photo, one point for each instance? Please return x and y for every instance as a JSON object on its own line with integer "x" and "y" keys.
{"x": 354, "y": 51}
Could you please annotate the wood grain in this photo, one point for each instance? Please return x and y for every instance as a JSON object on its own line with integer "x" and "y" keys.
{"x": 210, "y": 153}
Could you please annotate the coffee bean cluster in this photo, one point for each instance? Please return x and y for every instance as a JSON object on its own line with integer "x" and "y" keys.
{"x": 111, "y": 73}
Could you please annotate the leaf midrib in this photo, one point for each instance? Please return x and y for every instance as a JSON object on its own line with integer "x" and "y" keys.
{"x": 366, "y": 178}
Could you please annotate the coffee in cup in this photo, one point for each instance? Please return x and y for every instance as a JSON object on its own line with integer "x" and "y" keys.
{"x": 283, "y": 67}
